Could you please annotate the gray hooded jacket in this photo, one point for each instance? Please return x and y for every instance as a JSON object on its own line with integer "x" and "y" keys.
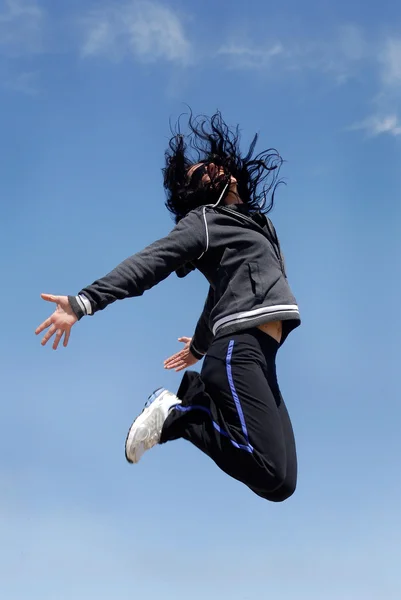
{"x": 238, "y": 253}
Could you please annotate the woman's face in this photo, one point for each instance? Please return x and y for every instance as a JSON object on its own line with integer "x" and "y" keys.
{"x": 204, "y": 174}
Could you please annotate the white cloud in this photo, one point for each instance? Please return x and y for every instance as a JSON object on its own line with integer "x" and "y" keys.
{"x": 337, "y": 58}
{"x": 388, "y": 98}
{"x": 148, "y": 30}
{"x": 21, "y": 27}
{"x": 377, "y": 125}
{"x": 347, "y": 56}
{"x": 242, "y": 56}
{"x": 25, "y": 83}
{"x": 352, "y": 43}
{"x": 390, "y": 58}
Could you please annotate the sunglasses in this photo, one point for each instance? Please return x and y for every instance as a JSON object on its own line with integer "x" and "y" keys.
{"x": 197, "y": 175}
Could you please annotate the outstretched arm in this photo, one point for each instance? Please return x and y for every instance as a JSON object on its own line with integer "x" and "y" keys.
{"x": 142, "y": 271}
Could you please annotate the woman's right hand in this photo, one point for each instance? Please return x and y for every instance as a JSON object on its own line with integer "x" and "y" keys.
{"x": 182, "y": 359}
{"x": 59, "y": 323}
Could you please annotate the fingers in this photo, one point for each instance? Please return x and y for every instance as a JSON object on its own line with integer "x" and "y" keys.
{"x": 50, "y": 298}
{"x": 173, "y": 358}
{"x": 170, "y": 362}
{"x": 176, "y": 358}
{"x": 174, "y": 363}
{"x": 179, "y": 358}
{"x": 185, "y": 340}
{"x": 48, "y": 335}
{"x": 43, "y": 326}
{"x": 59, "y": 335}
{"x": 178, "y": 366}
{"x": 66, "y": 339}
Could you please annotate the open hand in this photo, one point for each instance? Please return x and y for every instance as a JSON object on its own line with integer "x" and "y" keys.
{"x": 59, "y": 323}
{"x": 182, "y": 359}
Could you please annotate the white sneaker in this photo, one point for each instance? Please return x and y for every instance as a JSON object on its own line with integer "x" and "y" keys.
{"x": 146, "y": 430}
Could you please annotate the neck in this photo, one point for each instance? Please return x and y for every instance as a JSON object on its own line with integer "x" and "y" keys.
{"x": 232, "y": 196}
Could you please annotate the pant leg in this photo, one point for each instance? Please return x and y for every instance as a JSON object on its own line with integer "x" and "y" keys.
{"x": 230, "y": 412}
{"x": 288, "y": 486}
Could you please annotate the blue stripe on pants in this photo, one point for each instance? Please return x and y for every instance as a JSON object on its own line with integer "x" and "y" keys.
{"x": 247, "y": 447}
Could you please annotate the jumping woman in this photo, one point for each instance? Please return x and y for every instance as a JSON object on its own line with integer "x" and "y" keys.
{"x": 233, "y": 410}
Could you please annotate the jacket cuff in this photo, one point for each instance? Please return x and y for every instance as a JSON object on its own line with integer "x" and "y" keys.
{"x": 76, "y": 307}
{"x": 85, "y": 304}
{"x": 196, "y": 353}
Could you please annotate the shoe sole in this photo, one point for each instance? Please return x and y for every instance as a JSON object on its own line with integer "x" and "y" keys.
{"x": 135, "y": 431}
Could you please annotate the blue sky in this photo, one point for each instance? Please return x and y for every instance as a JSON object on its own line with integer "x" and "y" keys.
{"x": 86, "y": 93}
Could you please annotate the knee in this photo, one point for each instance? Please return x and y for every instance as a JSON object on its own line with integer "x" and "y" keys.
{"x": 283, "y": 488}
{"x": 284, "y": 481}
{"x": 284, "y": 492}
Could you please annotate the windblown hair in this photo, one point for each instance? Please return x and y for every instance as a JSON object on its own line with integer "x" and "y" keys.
{"x": 210, "y": 140}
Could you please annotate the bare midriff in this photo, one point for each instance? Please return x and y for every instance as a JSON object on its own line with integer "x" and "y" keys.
{"x": 273, "y": 328}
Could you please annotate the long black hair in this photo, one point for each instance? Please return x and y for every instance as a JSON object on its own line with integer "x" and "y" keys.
{"x": 210, "y": 140}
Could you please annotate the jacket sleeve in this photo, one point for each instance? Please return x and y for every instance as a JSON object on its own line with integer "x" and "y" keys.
{"x": 185, "y": 243}
{"x": 203, "y": 335}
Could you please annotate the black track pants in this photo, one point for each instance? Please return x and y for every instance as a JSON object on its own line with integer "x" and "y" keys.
{"x": 234, "y": 412}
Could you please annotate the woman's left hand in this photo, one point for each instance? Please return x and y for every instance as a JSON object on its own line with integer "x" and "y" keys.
{"x": 182, "y": 359}
{"x": 59, "y": 323}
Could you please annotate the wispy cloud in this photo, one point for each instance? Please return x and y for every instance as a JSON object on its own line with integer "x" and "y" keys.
{"x": 346, "y": 56}
{"x": 21, "y": 27}
{"x": 387, "y": 64}
{"x": 377, "y": 125}
{"x": 248, "y": 57}
{"x": 390, "y": 59}
{"x": 149, "y": 31}
{"x": 24, "y": 83}
{"x": 337, "y": 58}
